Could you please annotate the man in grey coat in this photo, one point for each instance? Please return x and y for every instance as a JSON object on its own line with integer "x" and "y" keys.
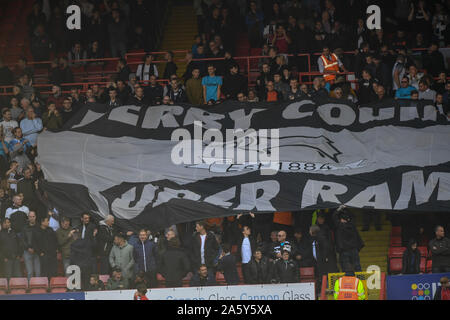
{"x": 122, "y": 256}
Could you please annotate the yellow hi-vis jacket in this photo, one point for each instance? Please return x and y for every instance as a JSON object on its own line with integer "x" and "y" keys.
{"x": 355, "y": 293}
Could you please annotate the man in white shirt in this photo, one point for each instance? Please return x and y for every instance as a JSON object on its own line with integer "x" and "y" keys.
{"x": 248, "y": 246}
{"x": 8, "y": 125}
{"x": 17, "y": 206}
{"x": 205, "y": 248}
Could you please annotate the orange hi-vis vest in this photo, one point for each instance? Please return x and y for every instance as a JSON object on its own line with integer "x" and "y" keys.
{"x": 348, "y": 288}
{"x": 330, "y": 65}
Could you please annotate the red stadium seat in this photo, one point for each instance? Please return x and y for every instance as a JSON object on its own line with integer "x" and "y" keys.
{"x": 187, "y": 280}
{"x": 396, "y": 242}
{"x": 423, "y": 251}
{"x": 220, "y": 279}
{"x": 234, "y": 249}
{"x": 429, "y": 266}
{"x": 241, "y": 275}
{"x": 396, "y": 231}
{"x": 58, "y": 284}
{"x": 161, "y": 280}
{"x": 18, "y": 285}
{"x": 423, "y": 264}
{"x": 395, "y": 265}
{"x": 104, "y": 278}
{"x": 39, "y": 282}
{"x": 396, "y": 252}
{"x": 3, "y": 286}
{"x": 307, "y": 274}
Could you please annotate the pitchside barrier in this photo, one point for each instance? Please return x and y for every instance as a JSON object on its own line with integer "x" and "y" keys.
{"x": 291, "y": 291}
{"x": 414, "y": 286}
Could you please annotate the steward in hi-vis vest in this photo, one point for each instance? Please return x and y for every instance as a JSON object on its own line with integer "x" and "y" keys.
{"x": 330, "y": 65}
{"x": 349, "y": 287}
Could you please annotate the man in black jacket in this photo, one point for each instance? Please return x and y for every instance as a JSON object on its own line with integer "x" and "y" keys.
{"x": 10, "y": 250}
{"x": 27, "y": 188}
{"x": 320, "y": 250}
{"x": 174, "y": 264}
{"x": 348, "y": 240}
{"x": 123, "y": 70}
{"x": 205, "y": 248}
{"x": 123, "y": 91}
{"x": 302, "y": 253}
{"x": 440, "y": 250}
{"x": 260, "y": 269}
{"x": 227, "y": 265}
{"x": 286, "y": 270}
{"x": 139, "y": 99}
{"x": 105, "y": 241}
{"x": 175, "y": 91}
{"x": 234, "y": 83}
{"x": 203, "y": 278}
{"x": 154, "y": 90}
{"x": 30, "y": 255}
{"x": 47, "y": 245}
{"x": 82, "y": 255}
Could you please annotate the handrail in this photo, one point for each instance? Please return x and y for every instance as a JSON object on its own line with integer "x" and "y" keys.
{"x": 84, "y": 85}
{"x": 323, "y": 291}
{"x": 383, "y": 286}
{"x": 131, "y": 54}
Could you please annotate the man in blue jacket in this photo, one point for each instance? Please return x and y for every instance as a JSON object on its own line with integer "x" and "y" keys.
{"x": 145, "y": 258}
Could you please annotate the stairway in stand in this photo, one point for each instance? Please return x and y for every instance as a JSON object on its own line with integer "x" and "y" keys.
{"x": 376, "y": 242}
{"x": 179, "y": 34}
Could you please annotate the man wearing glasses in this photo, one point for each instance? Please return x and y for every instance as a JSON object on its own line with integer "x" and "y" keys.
{"x": 405, "y": 90}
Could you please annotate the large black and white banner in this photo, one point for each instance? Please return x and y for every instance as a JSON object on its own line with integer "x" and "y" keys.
{"x": 389, "y": 155}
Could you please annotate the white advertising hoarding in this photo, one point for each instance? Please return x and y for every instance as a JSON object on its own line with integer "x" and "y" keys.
{"x": 291, "y": 291}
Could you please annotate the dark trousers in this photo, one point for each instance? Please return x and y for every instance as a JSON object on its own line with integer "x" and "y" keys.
{"x": 150, "y": 277}
{"x": 49, "y": 265}
{"x": 352, "y": 257}
{"x": 11, "y": 268}
{"x": 371, "y": 215}
{"x": 105, "y": 268}
{"x": 441, "y": 269}
{"x": 86, "y": 272}
{"x": 246, "y": 273}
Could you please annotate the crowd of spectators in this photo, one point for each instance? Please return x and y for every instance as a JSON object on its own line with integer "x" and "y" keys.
{"x": 270, "y": 251}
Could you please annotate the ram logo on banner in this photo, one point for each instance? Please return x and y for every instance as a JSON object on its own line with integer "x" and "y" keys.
{"x": 413, "y": 287}
{"x": 391, "y": 155}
